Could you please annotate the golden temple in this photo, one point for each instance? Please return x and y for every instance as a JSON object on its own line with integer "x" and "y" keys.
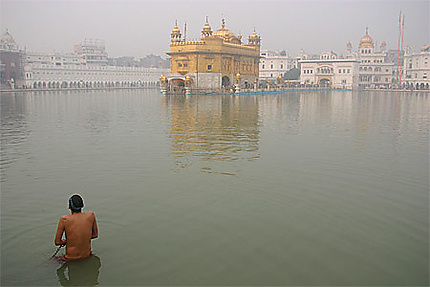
{"x": 218, "y": 60}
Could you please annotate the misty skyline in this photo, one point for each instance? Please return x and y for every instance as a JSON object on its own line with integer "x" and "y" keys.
{"x": 139, "y": 28}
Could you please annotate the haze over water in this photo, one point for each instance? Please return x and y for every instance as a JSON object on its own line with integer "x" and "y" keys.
{"x": 328, "y": 188}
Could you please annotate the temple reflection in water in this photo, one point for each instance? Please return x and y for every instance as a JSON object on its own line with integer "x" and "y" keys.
{"x": 213, "y": 129}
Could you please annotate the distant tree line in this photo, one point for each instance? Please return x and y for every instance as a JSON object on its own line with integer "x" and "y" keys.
{"x": 292, "y": 74}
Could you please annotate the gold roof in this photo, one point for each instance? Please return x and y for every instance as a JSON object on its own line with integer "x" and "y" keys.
{"x": 254, "y": 35}
{"x": 224, "y": 32}
{"x": 176, "y": 28}
{"x": 366, "y": 41}
{"x": 207, "y": 27}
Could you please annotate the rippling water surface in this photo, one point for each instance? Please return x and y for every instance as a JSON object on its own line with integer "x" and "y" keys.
{"x": 328, "y": 188}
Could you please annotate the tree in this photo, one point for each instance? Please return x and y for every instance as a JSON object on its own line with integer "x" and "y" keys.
{"x": 292, "y": 74}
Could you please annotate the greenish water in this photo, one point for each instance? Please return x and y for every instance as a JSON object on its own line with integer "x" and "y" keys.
{"x": 328, "y": 188}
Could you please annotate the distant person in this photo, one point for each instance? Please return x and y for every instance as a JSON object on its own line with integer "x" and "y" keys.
{"x": 79, "y": 229}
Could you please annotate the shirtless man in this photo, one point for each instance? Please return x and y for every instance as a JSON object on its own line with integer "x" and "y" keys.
{"x": 80, "y": 228}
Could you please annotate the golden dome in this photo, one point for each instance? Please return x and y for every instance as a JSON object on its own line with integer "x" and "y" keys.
{"x": 176, "y": 29}
{"x": 254, "y": 35}
{"x": 254, "y": 39}
{"x": 366, "y": 41}
{"x": 207, "y": 30}
{"x": 224, "y": 32}
{"x": 207, "y": 27}
{"x": 176, "y": 34}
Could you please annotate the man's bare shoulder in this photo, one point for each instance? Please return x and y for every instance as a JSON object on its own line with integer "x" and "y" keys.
{"x": 90, "y": 214}
{"x": 65, "y": 217}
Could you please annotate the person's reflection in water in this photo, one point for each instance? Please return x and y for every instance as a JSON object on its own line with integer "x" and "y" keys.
{"x": 80, "y": 273}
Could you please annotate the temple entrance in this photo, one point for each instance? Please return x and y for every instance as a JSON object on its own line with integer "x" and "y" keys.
{"x": 177, "y": 85}
{"x": 325, "y": 82}
{"x": 225, "y": 81}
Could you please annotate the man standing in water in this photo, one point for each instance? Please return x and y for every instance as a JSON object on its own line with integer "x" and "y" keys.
{"x": 79, "y": 227}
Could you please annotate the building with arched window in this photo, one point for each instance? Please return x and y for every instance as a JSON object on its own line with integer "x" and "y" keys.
{"x": 329, "y": 71}
{"x": 218, "y": 59}
{"x": 375, "y": 68}
{"x": 86, "y": 68}
{"x": 417, "y": 69}
{"x": 11, "y": 61}
{"x": 274, "y": 64}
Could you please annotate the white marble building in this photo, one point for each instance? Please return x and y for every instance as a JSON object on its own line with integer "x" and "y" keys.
{"x": 375, "y": 69}
{"x": 273, "y": 64}
{"x": 417, "y": 69}
{"x": 52, "y": 76}
{"x": 330, "y": 71}
{"x": 86, "y": 68}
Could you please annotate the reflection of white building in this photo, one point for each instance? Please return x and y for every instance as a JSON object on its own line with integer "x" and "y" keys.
{"x": 273, "y": 64}
{"x": 417, "y": 69}
{"x": 328, "y": 70}
{"x": 375, "y": 70}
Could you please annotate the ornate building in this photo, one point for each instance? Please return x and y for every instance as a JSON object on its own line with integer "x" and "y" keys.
{"x": 219, "y": 59}
{"x": 86, "y": 68}
{"x": 375, "y": 69}
{"x": 274, "y": 64}
{"x": 417, "y": 69}
{"x": 11, "y": 61}
{"x": 330, "y": 71}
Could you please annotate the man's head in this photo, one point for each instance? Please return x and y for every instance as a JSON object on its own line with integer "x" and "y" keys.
{"x": 76, "y": 203}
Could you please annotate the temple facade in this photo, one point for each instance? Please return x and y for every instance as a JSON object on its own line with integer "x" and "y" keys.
{"x": 217, "y": 60}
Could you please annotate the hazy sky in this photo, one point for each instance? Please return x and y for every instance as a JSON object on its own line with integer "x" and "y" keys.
{"x": 137, "y": 28}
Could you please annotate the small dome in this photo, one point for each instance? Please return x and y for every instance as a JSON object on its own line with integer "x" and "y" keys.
{"x": 207, "y": 30}
{"x": 254, "y": 35}
{"x": 207, "y": 27}
{"x": 8, "y": 42}
{"x": 176, "y": 30}
{"x": 224, "y": 32}
{"x": 366, "y": 41}
{"x": 176, "y": 34}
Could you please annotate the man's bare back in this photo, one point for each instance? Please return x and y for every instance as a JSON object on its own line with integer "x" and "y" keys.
{"x": 79, "y": 229}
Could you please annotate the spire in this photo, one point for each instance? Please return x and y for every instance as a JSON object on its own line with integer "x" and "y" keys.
{"x": 176, "y": 33}
{"x": 367, "y": 30}
{"x": 207, "y": 30}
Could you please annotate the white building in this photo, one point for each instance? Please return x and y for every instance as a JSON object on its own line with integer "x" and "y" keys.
{"x": 375, "y": 69}
{"x": 92, "y": 52}
{"x": 273, "y": 64}
{"x": 328, "y": 70}
{"x": 417, "y": 69}
{"x": 53, "y": 76}
{"x": 58, "y": 59}
{"x": 86, "y": 68}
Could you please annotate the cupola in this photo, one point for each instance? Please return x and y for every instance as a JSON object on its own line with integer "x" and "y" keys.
{"x": 207, "y": 30}
{"x": 176, "y": 34}
{"x": 254, "y": 39}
